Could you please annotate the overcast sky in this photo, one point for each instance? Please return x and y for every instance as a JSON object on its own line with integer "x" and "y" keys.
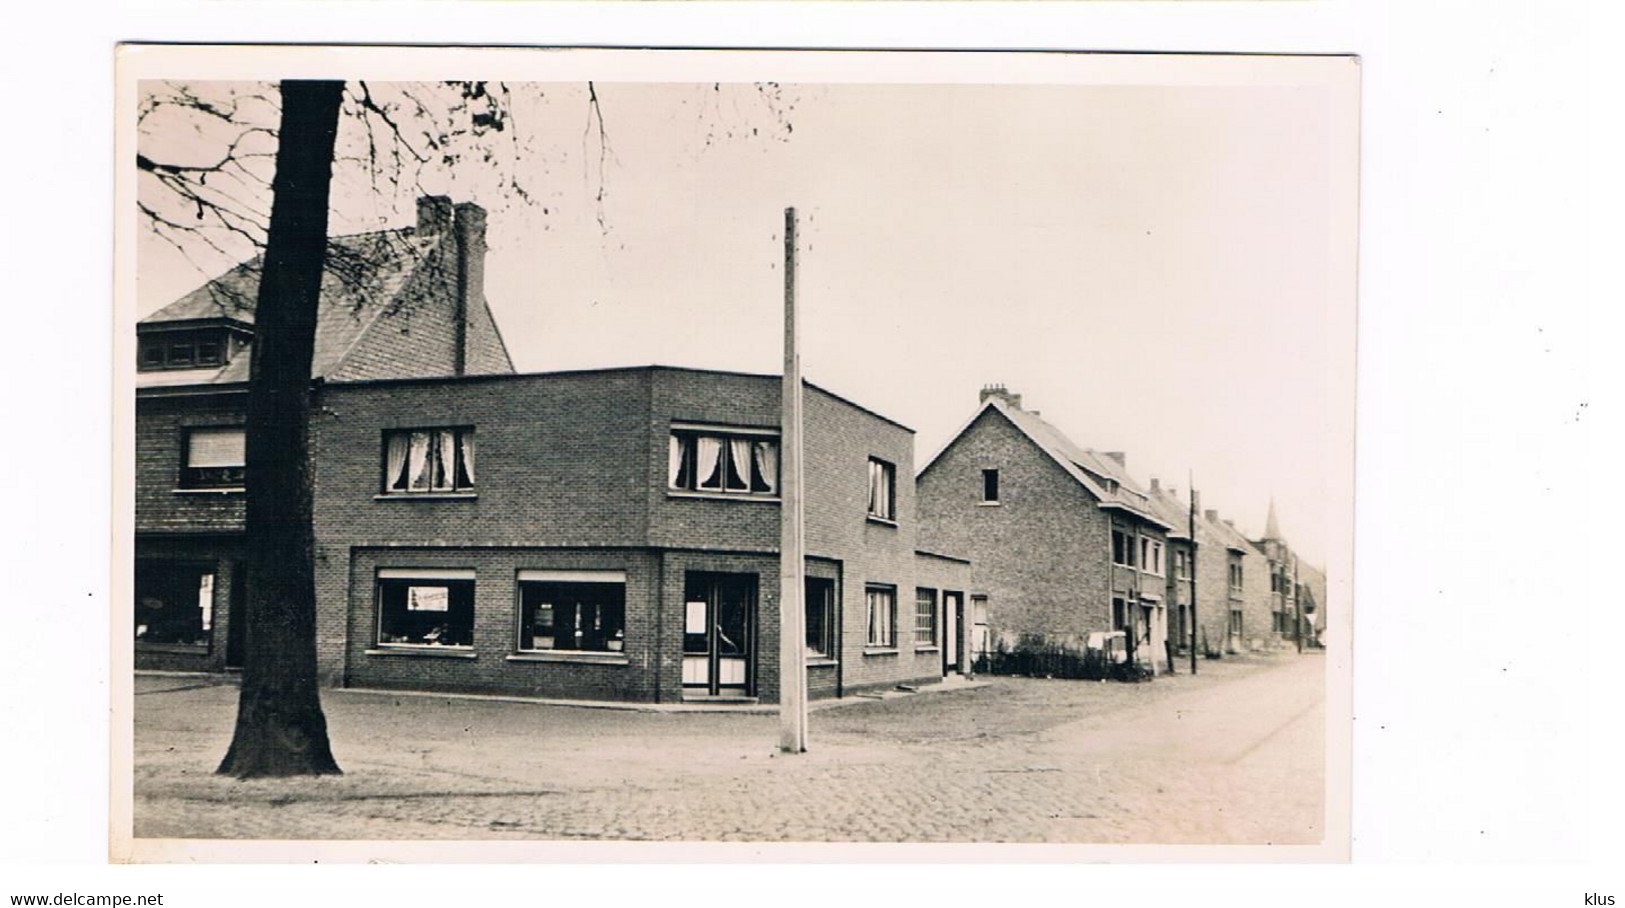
{"x": 1147, "y": 266}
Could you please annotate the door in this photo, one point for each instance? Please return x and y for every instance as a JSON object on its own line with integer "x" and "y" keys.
{"x": 719, "y": 628}
{"x": 953, "y": 618}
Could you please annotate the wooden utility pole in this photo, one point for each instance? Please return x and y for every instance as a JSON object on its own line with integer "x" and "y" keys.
{"x": 792, "y": 525}
{"x": 1191, "y": 484}
{"x": 1297, "y": 605}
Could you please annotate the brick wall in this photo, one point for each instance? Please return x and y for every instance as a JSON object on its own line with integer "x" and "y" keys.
{"x": 1042, "y": 554}
{"x": 160, "y": 429}
{"x": 493, "y": 665}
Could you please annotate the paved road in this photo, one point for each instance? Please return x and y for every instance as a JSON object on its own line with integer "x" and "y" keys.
{"x": 1232, "y": 756}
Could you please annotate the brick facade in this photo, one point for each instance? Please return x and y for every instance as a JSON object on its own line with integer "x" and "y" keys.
{"x": 572, "y": 475}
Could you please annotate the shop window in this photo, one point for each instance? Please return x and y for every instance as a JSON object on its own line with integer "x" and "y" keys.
{"x": 426, "y": 608}
{"x": 925, "y": 617}
{"x": 990, "y": 486}
{"x": 725, "y": 463}
{"x": 214, "y": 458}
{"x": 420, "y": 461}
{"x": 578, "y": 611}
{"x": 820, "y": 606}
{"x": 882, "y": 615}
{"x": 882, "y": 489}
{"x": 174, "y": 604}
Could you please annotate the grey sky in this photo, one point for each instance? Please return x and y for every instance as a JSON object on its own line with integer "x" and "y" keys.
{"x": 1147, "y": 266}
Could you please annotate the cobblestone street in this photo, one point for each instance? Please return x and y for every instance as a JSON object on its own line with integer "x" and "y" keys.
{"x": 1234, "y": 755}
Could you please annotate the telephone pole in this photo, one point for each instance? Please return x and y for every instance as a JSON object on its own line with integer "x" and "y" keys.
{"x": 1191, "y": 484}
{"x": 792, "y": 525}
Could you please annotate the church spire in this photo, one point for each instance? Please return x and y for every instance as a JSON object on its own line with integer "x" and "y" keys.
{"x": 1272, "y": 527}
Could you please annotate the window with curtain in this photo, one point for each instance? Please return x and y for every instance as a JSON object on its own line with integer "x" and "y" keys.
{"x": 723, "y": 463}
{"x": 882, "y": 615}
{"x": 214, "y": 458}
{"x": 882, "y": 489}
{"x": 418, "y": 461}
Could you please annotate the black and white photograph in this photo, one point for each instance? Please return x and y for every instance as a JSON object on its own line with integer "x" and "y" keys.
{"x": 701, "y": 448}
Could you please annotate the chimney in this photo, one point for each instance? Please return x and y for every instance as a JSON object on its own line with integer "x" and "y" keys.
{"x": 1156, "y": 486}
{"x": 1229, "y": 523}
{"x": 470, "y": 231}
{"x": 1013, "y": 401}
{"x": 434, "y": 215}
{"x": 1211, "y": 515}
{"x": 1120, "y": 457}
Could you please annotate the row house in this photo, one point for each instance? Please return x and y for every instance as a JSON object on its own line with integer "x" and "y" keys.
{"x": 1066, "y": 545}
{"x": 605, "y": 534}
{"x": 1296, "y": 588}
{"x": 1069, "y": 547}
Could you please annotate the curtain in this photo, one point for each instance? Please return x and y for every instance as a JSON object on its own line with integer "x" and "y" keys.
{"x": 443, "y": 476}
{"x": 395, "y": 461}
{"x": 765, "y": 467}
{"x": 419, "y": 460}
{"x": 678, "y": 474}
{"x": 874, "y": 502}
{"x": 709, "y": 462}
{"x": 466, "y": 439}
{"x": 739, "y": 463}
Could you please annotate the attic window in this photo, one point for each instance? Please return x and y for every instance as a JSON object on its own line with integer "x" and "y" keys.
{"x": 188, "y": 350}
{"x": 990, "y": 486}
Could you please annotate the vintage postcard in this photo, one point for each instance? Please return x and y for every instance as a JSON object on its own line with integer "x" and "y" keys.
{"x": 730, "y": 455}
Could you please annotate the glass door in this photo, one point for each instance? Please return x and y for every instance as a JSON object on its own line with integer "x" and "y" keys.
{"x": 719, "y": 626}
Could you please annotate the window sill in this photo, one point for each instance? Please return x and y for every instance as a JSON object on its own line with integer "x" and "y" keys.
{"x": 928, "y": 649}
{"x": 188, "y": 649}
{"x": 988, "y": 504}
{"x": 822, "y": 662}
{"x": 723, "y": 496}
{"x": 880, "y": 651}
{"x": 883, "y": 521}
{"x": 578, "y": 656}
{"x": 427, "y": 496}
{"x": 221, "y": 490}
{"x": 431, "y": 652}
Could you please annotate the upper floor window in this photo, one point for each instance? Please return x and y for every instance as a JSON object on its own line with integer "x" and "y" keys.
{"x": 882, "y": 489}
{"x": 729, "y": 463}
{"x": 185, "y": 350}
{"x": 1235, "y": 577}
{"x": 1123, "y": 548}
{"x": 428, "y": 460}
{"x": 1150, "y": 555}
{"x": 214, "y": 458}
{"x": 990, "y": 486}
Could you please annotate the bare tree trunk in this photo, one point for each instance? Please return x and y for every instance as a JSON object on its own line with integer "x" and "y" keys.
{"x": 280, "y": 727}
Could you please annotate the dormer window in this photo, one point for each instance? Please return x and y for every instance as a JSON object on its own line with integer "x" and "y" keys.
{"x": 182, "y": 350}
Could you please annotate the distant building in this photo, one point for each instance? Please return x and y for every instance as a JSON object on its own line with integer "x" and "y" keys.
{"x": 1297, "y": 590}
{"x": 1065, "y": 544}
